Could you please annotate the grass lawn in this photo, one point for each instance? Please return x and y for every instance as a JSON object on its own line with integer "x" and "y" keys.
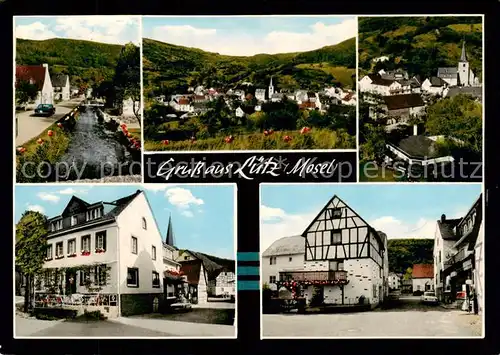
{"x": 315, "y": 139}
{"x": 342, "y": 74}
{"x": 378, "y": 174}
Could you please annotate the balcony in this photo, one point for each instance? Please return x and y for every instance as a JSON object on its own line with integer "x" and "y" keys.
{"x": 314, "y": 276}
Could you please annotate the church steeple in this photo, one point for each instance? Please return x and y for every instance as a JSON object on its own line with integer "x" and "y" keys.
{"x": 271, "y": 88}
{"x": 463, "y": 57}
{"x": 169, "y": 239}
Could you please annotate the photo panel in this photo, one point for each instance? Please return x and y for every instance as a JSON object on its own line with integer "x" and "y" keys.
{"x": 372, "y": 261}
{"x": 77, "y": 97}
{"x": 421, "y": 107}
{"x": 125, "y": 261}
{"x": 253, "y": 83}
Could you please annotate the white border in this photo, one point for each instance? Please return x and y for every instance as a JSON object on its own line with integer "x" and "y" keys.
{"x": 483, "y": 318}
{"x": 141, "y": 187}
{"x": 350, "y": 150}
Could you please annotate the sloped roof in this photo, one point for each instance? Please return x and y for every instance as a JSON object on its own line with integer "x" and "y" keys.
{"x": 119, "y": 206}
{"x": 474, "y": 91}
{"x": 213, "y": 264}
{"x": 437, "y": 81}
{"x": 446, "y": 228}
{"x": 418, "y": 146}
{"x": 286, "y": 246}
{"x": 191, "y": 269}
{"x": 448, "y": 72}
{"x": 397, "y": 102}
{"x": 59, "y": 80}
{"x": 423, "y": 271}
{"x": 34, "y": 74}
{"x": 378, "y": 80}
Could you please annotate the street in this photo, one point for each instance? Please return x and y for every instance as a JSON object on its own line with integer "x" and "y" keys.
{"x": 29, "y": 126}
{"x": 408, "y": 318}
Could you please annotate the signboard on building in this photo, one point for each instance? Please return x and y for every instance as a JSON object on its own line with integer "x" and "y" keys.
{"x": 467, "y": 265}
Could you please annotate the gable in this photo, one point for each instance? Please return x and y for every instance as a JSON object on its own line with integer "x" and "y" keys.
{"x": 325, "y": 219}
{"x": 75, "y": 205}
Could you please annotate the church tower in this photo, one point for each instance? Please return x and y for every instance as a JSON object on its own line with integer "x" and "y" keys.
{"x": 271, "y": 88}
{"x": 169, "y": 239}
{"x": 464, "y": 77}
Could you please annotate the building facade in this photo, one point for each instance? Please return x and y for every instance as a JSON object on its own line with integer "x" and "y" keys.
{"x": 345, "y": 259}
{"x": 285, "y": 254}
{"x": 422, "y": 278}
{"x": 104, "y": 256}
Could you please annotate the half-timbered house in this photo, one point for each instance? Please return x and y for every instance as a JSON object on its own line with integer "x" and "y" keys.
{"x": 345, "y": 260}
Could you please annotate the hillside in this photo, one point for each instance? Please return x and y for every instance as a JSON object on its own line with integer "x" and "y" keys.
{"x": 404, "y": 253}
{"x": 85, "y": 62}
{"x": 419, "y": 44}
{"x": 170, "y": 68}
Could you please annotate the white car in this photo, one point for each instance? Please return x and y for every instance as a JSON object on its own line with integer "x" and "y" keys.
{"x": 429, "y": 297}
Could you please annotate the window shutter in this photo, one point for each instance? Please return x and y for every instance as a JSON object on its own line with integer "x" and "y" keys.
{"x": 82, "y": 277}
{"x": 104, "y": 241}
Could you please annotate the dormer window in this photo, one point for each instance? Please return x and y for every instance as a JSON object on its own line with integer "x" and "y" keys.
{"x": 57, "y": 225}
{"x": 93, "y": 214}
{"x": 74, "y": 220}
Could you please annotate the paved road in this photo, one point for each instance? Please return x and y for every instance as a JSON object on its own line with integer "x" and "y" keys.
{"x": 84, "y": 329}
{"x": 408, "y": 319}
{"x": 30, "y": 126}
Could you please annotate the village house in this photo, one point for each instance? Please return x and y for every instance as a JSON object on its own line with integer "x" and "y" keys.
{"x": 75, "y": 91}
{"x": 174, "y": 282}
{"x": 459, "y": 256}
{"x": 349, "y": 99}
{"x": 434, "y": 85}
{"x": 60, "y": 83}
{"x": 345, "y": 259}
{"x": 239, "y": 112}
{"x": 204, "y": 277}
{"x": 394, "y": 281}
{"x": 417, "y": 149}
{"x": 182, "y": 104}
{"x": 400, "y": 108}
{"x": 285, "y": 254}
{"x": 422, "y": 277}
{"x": 476, "y": 92}
{"x": 376, "y": 84}
{"x": 37, "y": 75}
{"x": 260, "y": 95}
{"x": 104, "y": 256}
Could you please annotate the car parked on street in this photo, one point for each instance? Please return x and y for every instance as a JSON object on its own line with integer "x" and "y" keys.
{"x": 429, "y": 298}
{"x": 45, "y": 110}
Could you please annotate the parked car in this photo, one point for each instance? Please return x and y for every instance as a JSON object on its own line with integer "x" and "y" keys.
{"x": 45, "y": 110}
{"x": 429, "y": 297}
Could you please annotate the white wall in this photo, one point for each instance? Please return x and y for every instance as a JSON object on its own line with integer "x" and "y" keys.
{"x": 130, "y": 224}
{"x": 109, "y": 257}
{"x": 362, "y": 274}
{"x": 422, "y": 282}
{"x": 224, "y": 283}
{"x": 47, "y": 94}
{"x": 282, "y": 264}
{"x": 202, "y": 286}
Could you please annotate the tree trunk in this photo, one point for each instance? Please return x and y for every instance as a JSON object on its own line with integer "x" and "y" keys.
{"x": 27, "y": 293}
{"x": 136, "y": 111}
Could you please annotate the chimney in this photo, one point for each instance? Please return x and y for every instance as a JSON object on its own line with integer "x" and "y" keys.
{"x": 443, "y": 218}
{"x": 415, "y": 130}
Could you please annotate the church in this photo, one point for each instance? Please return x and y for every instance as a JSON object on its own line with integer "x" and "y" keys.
{"x": 461, "y": 75}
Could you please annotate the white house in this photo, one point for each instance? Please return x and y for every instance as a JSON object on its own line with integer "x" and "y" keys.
{"x": 422, "y": 277}
{"x": 37, "y": 75}
{"x": 104, "y": 256}
{"x": 197, "y": 280}
{"x": 345, "y": 259}
{"x": 394, "y": 281}
{"x": 225, "y": 284}
{"x": 375, "y": 84}
{"x": 285, "y": 254}
{"x": 182, "y": 104}
{"x": 239, "y": 112}
{"x": 260, "y": 94}
{"x": 62, "y": 90}
{"x": 434, "y": 85}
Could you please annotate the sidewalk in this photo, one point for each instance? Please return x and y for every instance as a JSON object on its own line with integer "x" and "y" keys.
{"x": 26, "y": 326}
{"x": 183, "y": 329}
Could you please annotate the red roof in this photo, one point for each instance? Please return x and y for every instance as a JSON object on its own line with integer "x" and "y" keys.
{"x": 183, "y": 101}
{"x": 307, "y": 104}
{"x": 423, "y": 271}
{"x": 192, "y": 269}
{"x": 34, "y": 74}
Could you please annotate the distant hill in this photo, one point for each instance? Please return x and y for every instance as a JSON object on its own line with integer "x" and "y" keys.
{"x": 404, "y": 253}
{"x": 86, "y": 62}
{"x": 419, "y": 44}
{"x": 170, "y": 68}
